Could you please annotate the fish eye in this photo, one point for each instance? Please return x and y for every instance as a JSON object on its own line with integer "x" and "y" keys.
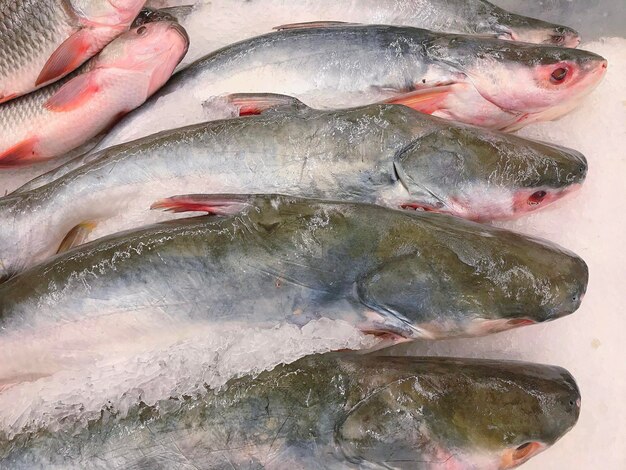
{"x": 142, "y": 30}
{"x": 536, "y": 197}
{"x": 558, "y": 75}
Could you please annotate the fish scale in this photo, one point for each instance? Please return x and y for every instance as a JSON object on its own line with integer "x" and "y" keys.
{"x": 45, "y": 25}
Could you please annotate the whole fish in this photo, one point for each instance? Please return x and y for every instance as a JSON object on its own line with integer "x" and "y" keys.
{"x": 65, "y": 115}
{"x": 332, "y": 411}
{"x": 269, "y": 261}
{"x": 384, "y": 154}
{"x": 230, "y": 21}
{"x": 488, "y": 82}
{"x": 44, "y": 40}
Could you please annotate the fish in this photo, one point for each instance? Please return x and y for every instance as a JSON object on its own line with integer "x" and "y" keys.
{"x": 61, "y": 117}
{"x": 488, "y": 82}
{"x": 41, "y": 41}
{"x": 263, "y": 261}
{"x": 230, "y": 21}
{"x": 332, "y": 411}
{"x": 385, "y": 154}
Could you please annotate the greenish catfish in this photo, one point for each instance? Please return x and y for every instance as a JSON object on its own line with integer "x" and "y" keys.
{"x": 384, "y": 154}
{"x": 334, "y": 411}
{"x": 270, "y": 260}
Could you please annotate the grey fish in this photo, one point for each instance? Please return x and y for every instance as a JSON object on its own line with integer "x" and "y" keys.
{"x": 332, "y": 411}
{"x": 217, "y": 23}
{"x": 384, "y": 154}
{"x": 44, "y": 40}
{"x": 487, "y": 82}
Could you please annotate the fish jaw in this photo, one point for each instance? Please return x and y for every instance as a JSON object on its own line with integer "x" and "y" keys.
{"x": 538, "y": 96}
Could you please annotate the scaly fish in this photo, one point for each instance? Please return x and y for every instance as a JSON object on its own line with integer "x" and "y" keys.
{"x": 269, "y": 261}
{"x": 230, "y": 21}
{"x": 331, "y": 411}
{"x": 384, "y": 154}
{"x": 488, "y": 82}
{"x": 65, "y": 115}
{"x": 43, "y": 40}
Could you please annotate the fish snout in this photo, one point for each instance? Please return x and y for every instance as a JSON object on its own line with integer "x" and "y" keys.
{"x": 180, "y": 31}
{"x": 576, "y": 287}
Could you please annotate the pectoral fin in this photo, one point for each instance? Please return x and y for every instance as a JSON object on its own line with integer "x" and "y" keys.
{"x": 74, "y": 93}
{"x": 427, "y": 100}
{"x": 70, "y": 55}
{"x": 76, "y": 236}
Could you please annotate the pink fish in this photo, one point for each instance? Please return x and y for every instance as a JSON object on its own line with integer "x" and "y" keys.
{"x": 67, "y": 114}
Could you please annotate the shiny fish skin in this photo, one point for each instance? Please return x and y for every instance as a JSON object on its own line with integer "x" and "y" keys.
{"x": 230, "y": 21}
{"x": 332, "y": 411}
{"x": 32, "y": 30}
{"x": 274, "y": 259}
{"x": 350, "y": 66}
{"x": 114, "y": 82}
{"x": 384, "y": 154}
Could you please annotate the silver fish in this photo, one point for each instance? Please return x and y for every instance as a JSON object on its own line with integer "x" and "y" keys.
{"x": 487, "y": 82}
{"x": 384, "y": 154}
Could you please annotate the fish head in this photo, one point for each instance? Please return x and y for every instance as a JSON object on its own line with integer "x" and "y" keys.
{"x": 150, "y": 15}
{"x": 464, "y": 414}
{"x": 108, "y": 12}
{"x": 509, "y": 26}
{"x": 483, "y": 175}
{"x": 152, "y": 50}
{"x": 524, "y": 78}
{"x": 445, "y": 277}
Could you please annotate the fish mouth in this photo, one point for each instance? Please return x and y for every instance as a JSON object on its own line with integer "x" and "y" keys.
{"x": 517, "y": 456}
{"x": 182, "y": 32}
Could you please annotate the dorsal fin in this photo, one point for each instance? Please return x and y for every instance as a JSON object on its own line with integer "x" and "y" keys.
{"x": 314, "y": 24}
{"x": 259, "y": 103}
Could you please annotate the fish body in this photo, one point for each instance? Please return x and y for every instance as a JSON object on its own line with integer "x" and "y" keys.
{"x": 488, "y": 82}
{"x": 268, "y": 260}
{"x": 383, "y": 154}
{"x": 64, "y": 115}
{"x": 231, "y": 21}
{"x": 332, "y": 411}
{"x": 43, "y": 40}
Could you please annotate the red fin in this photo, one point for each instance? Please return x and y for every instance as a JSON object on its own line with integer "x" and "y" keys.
{"x": 17, "y": 154}
{"x": 251, "y": 103}
{"x": 73, "y": 52}
{"x": 74, "y": 93}
{"x": 4, "y": 98}
{"x": 210, "y": 203}
{"x": 426, "y": 100}
{"x": 314, "y": 24}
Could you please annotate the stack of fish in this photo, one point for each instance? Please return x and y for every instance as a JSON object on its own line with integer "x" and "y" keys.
{"x": 342, "y": 169}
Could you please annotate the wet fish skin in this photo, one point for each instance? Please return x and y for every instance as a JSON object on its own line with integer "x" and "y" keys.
{"x": 346, "y": 66}
{"x": 274, "y": 259}
{"x": 60, "y": 117}
{"x": 32, "y": 30}
{"x": 384, "y": 154}
{"x": 253, "y": 18}
{"x": 333, "y": 411}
